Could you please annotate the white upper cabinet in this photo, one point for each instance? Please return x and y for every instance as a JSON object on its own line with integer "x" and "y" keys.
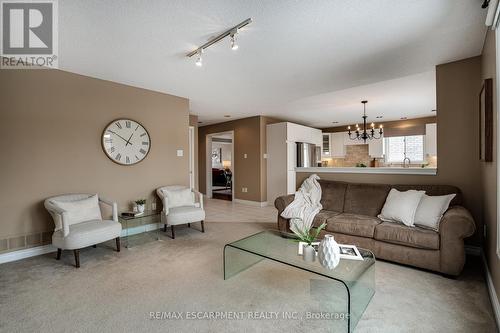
{"x": 299, "y": 133}
{"x": 431, "y": 139}
{"x": 326, "y": 147}
{"x": 337, "y": 145}
{"x": 376, "y": 148}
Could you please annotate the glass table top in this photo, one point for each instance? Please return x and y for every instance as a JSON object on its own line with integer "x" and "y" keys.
{"x": 147, "y": 213}
{"x": 277, "y": 246}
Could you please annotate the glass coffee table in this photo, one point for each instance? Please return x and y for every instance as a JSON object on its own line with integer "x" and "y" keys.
{"x": 353, "y": 280}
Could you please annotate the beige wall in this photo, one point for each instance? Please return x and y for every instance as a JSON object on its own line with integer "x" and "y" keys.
{"x": 489, "y": 170}
{"x": 50, "y": 141}
{"x": 458, "y": 86}
{"x": 249, "y": 138}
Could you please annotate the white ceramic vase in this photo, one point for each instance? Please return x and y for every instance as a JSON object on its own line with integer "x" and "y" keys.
{"x": 308, "y": 253}
{"x": 140, "y": 208}
{"x": 329, "y": 252}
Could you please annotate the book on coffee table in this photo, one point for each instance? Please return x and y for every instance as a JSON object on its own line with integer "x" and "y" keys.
{"x": 346, "y": 251}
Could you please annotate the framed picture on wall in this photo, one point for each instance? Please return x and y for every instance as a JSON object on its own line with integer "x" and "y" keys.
{"x": 486, "y": 121}
{"x": 217, "y": 155}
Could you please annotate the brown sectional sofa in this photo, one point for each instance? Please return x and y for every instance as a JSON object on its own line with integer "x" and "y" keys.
{"x": 350, "y": 211}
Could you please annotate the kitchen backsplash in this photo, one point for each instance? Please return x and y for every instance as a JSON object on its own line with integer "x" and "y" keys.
{"x": 356, "y": 154}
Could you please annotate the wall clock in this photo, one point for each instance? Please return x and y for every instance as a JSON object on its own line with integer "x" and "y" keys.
{"x": 125, "y": 141}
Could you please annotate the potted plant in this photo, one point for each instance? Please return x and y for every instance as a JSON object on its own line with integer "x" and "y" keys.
{"x": 308, "y": 236}
{"x": 141, "y": 205}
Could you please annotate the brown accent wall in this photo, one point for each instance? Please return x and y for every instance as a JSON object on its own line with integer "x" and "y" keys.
{"x": 50, "y": 141}
{"x": 249, "y": 138}
{"x": 489, "y": 170}
{"x": 193, "y": 121}
{"x": 457, "y": 88}
{"x": 389, "y": 124}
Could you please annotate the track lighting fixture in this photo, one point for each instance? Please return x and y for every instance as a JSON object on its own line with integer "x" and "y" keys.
{"x": 199, "y": 59}
{"x": 234, "y": 46}
{"x": 230, "y": 32}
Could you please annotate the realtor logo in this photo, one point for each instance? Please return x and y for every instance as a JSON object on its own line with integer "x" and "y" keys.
{"x": 29, "y": 34}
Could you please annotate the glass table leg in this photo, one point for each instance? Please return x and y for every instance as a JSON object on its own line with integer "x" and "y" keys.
{"x": 236, "y": 261}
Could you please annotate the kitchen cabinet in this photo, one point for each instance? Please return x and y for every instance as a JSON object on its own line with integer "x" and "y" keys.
{"x": 337, "y": 145}
{"x": 326, "y": 146}
{"x": 376, "y": 148}
{"x": 431, "y": 139}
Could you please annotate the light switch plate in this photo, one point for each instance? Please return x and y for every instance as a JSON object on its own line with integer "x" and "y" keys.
{"x": 245, "y": 155}
{"x": 265, "y": 155}
{"x": 180, "y": 152}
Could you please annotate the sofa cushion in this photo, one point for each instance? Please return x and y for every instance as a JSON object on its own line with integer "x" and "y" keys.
{"x": 332, "y": 195}
{"x": 365, "y": 199}
{"x": 433, "y": 190}
{"x": 87, "y": 233}
{"x": 397, "y": 233}
{"x": 353, "y": 224}
{"x": 323, "y": 216}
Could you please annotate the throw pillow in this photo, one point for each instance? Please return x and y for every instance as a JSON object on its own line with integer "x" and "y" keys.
{"x": 178, "y": 198}
{"x": 80, "y": 210}
{"x": 401, "y": 206}
{"x": 431, "y": 210}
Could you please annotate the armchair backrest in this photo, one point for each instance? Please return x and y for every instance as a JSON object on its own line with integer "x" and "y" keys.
{"x": 162, "y": 193}
{"x": 53, "y": 209}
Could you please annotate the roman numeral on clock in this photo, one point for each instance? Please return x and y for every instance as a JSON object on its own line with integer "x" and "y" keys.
{"x": 127, "y": 124}
{"x": 118, "y": 157}
{"x": 111, "y": 150}
{"x": 145, "y": 143}
{"x": 143, "y": 134}
{"x": 128, "y": 160}
{"x": 118, "y": 125}
{"x": 142, "y": 151}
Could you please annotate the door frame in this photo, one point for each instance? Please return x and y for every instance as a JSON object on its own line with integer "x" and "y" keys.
{"x": 191, "y": 157}
{"x": 208, "y": 162}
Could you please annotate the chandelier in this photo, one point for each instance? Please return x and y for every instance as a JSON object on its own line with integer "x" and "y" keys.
{"x": 365, "y": 134}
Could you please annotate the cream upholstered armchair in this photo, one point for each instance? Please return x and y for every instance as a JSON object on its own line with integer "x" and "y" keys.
{"x": 79, "y": 223}
{"x": 180, "y": 207}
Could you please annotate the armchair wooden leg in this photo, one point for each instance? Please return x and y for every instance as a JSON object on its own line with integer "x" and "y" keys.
{"x": 77, "y": 258}
{"x": 94, "y": 246}
{"x": 117, "y": 244}
{"x": 165, "y": 227}
{"x": 58, "y": 257}
{"x": 202, "y": 226}
{"x": 173, "y": 232}
{"x": 189, "y": 225}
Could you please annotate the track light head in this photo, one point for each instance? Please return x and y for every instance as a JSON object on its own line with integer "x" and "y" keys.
{"x": 234, "y": 46}
{"x": 199, "y": 58}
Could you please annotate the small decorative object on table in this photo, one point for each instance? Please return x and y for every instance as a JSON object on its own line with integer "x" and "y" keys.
{"x": 306, "y": 238}
{"x": 329, "y": 252}
{"x": 141, "y": 205}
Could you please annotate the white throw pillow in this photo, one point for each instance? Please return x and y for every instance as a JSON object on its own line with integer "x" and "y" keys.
{"x": 178, "y": 198}
{"x": 431, "y": 210}
{"x": 80, "y": 210}
{"x": 401, "y": 206}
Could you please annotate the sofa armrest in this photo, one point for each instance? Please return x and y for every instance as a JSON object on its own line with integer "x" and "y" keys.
{"x": 457, "y": 223}
{"x": 200, "y": 197}
{"x": 280, "y": 203}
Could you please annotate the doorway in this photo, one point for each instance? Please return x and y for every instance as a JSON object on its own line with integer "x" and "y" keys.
{"x": 220, "y": 166}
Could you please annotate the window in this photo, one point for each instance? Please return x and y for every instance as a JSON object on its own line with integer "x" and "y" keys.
{"x": 399, "y": 147}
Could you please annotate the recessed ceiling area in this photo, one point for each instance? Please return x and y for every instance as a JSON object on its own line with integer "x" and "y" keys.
{"x": 297, "y": 60}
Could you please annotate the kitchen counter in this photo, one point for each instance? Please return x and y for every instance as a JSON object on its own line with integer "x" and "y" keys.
{"x": 381, "y": 170}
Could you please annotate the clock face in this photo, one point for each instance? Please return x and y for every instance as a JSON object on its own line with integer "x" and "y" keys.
{"x": 126, "y": 141}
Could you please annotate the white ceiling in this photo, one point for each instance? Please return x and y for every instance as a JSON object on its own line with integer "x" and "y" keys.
{"x": 297, "y": 60}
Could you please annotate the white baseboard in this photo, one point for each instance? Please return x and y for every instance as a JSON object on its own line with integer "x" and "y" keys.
{"x": 40, "y": 250}
{"x": 251, "y": 203}
{"x": 491, "y": 291}
{"x": 26, "y": 253}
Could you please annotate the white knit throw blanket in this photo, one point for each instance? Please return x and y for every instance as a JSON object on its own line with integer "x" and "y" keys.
{"x": 304, "y": 206}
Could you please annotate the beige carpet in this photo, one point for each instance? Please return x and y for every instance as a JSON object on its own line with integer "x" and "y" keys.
{"x": 115, "y": 292}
